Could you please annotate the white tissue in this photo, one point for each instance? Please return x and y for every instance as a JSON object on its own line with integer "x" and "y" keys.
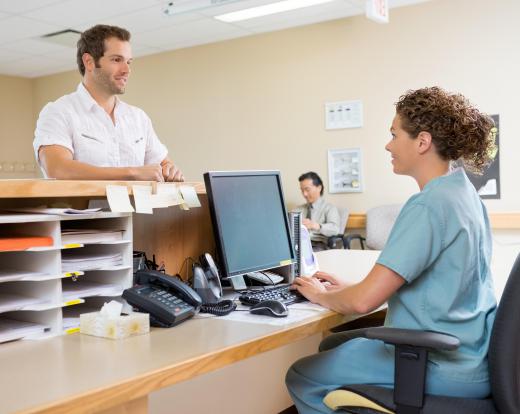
{"x": 111, "y": 309}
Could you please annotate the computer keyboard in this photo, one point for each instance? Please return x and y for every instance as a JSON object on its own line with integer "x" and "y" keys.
{"x": 281, "y": 292}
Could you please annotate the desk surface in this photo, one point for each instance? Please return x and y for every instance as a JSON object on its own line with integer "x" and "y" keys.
{"x": 79, "y": 373}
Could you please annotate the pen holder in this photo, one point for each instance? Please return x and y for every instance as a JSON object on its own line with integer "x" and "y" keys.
{"x": 114, "y": 327}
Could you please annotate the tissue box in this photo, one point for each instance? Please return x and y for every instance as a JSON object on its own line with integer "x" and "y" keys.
{"x": 114, "y": 327}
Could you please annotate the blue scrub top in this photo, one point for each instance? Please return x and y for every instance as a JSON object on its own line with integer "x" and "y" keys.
{"x": 441, "y": 245}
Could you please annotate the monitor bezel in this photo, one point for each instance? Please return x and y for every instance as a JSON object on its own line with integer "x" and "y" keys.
{"x": 217, "y": 225}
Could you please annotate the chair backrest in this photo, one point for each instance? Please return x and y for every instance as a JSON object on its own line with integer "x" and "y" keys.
{"x": 343, "y": 218}
{"x": 504, "y": 348}
{"x": 380, "y": 221}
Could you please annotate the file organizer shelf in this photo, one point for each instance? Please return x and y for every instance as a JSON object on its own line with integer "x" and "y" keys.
{"x": 38, "y": 298}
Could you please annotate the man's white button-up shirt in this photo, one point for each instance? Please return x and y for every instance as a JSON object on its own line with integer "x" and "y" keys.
{"x": 78, "y": 123}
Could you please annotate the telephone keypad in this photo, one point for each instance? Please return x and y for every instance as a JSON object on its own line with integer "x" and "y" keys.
{"x": 170, "y": 301}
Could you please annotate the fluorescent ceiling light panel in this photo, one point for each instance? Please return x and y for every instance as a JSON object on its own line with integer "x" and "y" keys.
{"x": 278, "y": 7}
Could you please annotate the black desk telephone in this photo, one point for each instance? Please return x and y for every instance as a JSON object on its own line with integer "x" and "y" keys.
{"x": 168, "y": 300}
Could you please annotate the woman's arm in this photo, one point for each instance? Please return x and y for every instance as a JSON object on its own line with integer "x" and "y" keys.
{"x": 363, "y": 297}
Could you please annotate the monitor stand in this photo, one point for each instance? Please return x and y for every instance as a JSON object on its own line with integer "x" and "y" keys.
{"x": 238, "y": 282}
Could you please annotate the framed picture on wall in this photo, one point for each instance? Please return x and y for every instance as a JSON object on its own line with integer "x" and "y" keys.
{"x": 488, "y": 184}
{"x": 345, "y": 170}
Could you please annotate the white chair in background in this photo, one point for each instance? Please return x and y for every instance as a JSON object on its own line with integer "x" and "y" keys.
{"x": 380, "y": 221}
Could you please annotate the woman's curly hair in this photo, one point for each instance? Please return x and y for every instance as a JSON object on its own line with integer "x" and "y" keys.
{"x": 459, "y": 131}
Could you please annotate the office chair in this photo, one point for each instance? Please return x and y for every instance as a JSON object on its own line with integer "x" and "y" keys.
{"x": 380, "y": 221}
{"x": 332, "y": 241}
{"x": 411, "y": 353}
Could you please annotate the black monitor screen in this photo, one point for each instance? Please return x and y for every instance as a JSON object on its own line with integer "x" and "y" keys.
{"x": 249, "y": 220}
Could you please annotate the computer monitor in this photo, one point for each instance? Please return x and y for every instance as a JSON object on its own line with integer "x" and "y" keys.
{"x": 249, "y": 221}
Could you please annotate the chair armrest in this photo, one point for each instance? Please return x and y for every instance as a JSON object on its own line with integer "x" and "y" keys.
{"x": 332, "y": 240}
{"x": 424, "y": 339}
{"x": 350, "y": 237}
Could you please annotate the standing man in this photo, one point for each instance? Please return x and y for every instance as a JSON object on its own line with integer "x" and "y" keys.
{"x": 91, "y": 134}
{"x": 320, "y": 218}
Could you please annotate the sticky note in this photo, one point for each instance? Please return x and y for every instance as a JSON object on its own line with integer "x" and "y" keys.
{"x": 143, "y": 198}
{"x": 190, "y": 196}
{"x": 118, "y": 199}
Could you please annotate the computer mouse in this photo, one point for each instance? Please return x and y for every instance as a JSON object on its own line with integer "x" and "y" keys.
{"x": 270, "y": 308}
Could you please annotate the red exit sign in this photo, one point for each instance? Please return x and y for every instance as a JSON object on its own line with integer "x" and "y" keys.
{"x": 377, "y": 10}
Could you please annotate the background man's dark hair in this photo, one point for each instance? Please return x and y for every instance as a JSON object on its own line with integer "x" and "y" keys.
{"x": 316, "y": 180}
{"x": 92, "y": 41}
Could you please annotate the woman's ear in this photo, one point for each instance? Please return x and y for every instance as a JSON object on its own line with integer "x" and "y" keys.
{"x": 424, "y": 141}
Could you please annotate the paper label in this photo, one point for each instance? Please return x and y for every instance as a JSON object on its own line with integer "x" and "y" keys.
{"x": 73, "y": 302}
{"x": 72, "y": 246}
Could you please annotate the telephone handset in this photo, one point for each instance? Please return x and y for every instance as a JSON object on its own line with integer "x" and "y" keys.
{"x": 206, "y": 282}
{"x": 167, "y": 299}
{"x": 206, "y": 279}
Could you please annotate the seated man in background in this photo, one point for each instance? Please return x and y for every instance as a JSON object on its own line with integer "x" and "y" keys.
{"x": 91, "y": 134}
{"x": 318, "y": 216}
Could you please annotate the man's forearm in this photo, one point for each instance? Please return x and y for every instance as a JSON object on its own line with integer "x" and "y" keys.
{"x": 329, "y": 229}
{"x": 76, "y": 170}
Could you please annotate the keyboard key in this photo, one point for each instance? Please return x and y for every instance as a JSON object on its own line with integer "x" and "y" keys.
{"x": 281, "y": 293}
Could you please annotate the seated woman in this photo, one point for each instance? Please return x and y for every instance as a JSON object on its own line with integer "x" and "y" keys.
{"x": 434, "y": 270}
{"x": 318, "y": 216}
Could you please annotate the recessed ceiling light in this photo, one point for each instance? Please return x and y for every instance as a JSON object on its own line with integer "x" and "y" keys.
{"x": 259, "y": 11}
{"x": 171, "y": 8}
{"x": 67, "y": 37}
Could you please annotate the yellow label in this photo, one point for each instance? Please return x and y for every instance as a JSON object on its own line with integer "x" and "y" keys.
{"x": 70, "y": 274}
{"x": 72, "y": 330}
{"x": 285, "y": 262}
{"x": 72, "y": 245}
{"x": 73, "y": 302}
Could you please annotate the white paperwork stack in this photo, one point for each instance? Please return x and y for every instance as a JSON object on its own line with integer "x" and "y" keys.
{"x": 80, "y": 289}
{"x": 12, "y": 329}
{"x": 90, "y": 236}
{"x": 72, "y": 261}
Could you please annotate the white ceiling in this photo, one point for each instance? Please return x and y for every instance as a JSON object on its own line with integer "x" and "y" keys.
{"x": 23, "y": 22}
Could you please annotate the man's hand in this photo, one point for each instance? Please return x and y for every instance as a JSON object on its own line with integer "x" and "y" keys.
{"x": 311, "y": 225}
{"x": 170, "y": 172}
{"x": 310, "y": 287}
{"x": 151, "y": 172}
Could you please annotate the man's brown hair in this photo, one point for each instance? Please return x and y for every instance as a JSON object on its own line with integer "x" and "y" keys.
{"x": 92, "y": 41}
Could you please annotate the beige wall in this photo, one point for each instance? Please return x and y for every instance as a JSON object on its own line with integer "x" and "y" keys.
{"x": 257, "y": 102}
{"x": 16, "y": 127}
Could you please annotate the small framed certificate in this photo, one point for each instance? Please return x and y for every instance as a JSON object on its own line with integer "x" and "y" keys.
{"x": 345, "y": 172}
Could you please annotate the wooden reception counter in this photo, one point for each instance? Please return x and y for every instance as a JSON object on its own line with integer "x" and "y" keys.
{"x": 171, "y": 234}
